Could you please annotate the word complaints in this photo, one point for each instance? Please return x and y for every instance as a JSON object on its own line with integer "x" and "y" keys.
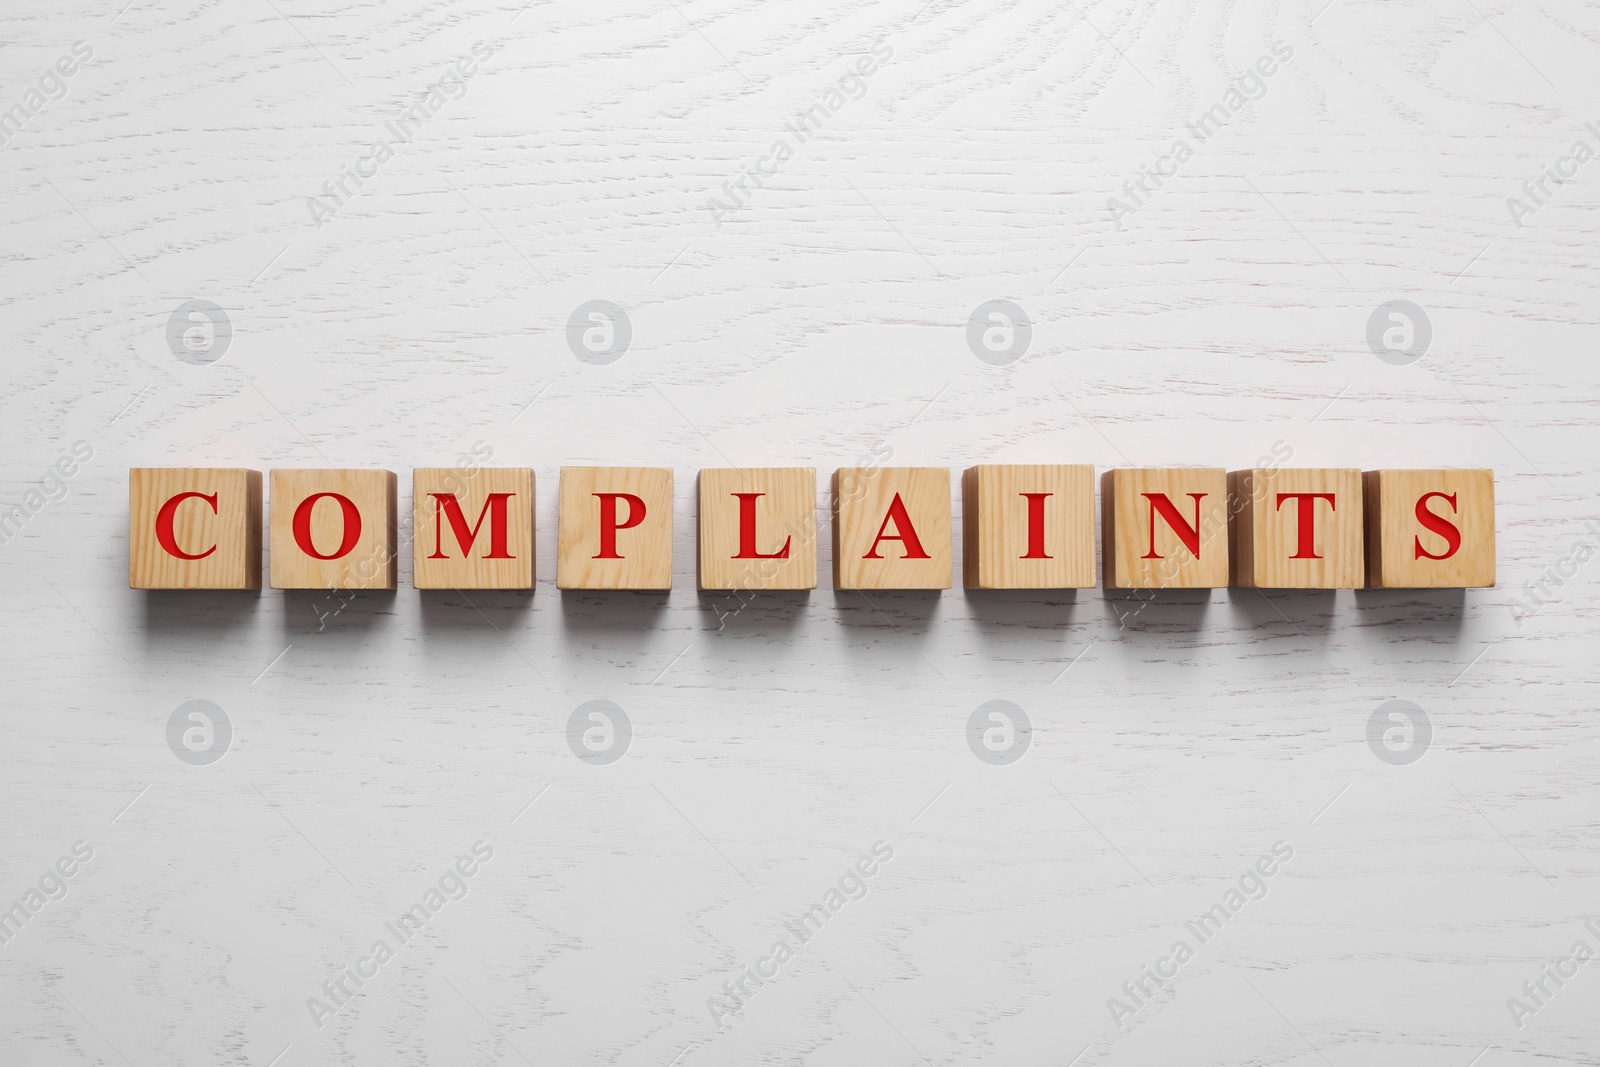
{"x": 1023, "y": 527}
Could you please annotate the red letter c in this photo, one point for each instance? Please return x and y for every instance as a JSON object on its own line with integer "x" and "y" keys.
{"x": 164, "y": 519}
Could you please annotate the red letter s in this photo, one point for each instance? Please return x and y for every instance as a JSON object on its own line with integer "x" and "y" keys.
{"x": 1437, "y": 524}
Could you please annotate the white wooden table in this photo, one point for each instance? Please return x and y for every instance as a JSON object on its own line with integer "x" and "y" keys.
{"x": 824, "y": 323}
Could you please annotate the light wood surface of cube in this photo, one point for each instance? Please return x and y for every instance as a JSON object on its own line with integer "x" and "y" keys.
{"x": 864, "y": 499}
{"x": 484, "y": 497}
{"x": 1133, "y": 558}
{"x": 643, "y": 551}
{"x": 999, "y": 506}
{"x": 362, "y": 546}
{"x": 1401, "y": 541}
{"x": 1274, "y": 546}
{"x": 784, "y": 520}
{"x": 220, "y": 528}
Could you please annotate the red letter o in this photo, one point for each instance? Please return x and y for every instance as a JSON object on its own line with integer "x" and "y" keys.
{"x": 302, "y": 525}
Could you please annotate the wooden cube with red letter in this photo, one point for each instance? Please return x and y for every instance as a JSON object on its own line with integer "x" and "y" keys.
{"x": 758, "y": 528}
{"x": 1296, "y": 527}
{"x": 614, "y": 528}
{"x": 1430, "y": 529}
{"x": 333, "y": 529}
{"x": 891, "y": 528}
{"x": 472, "y": 528}
{"x": 194, "y": 528}
{"x": 1165, "y": 527}
{"x": 1028, "y": 526}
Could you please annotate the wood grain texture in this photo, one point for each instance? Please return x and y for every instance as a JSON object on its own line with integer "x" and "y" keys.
{"x": 998, "y": 552}
{"x": 784, "y": 517}
{"x": 1146, "y": 548}
{"x": 349, "y": 528}
{"x": 487, "y": 499}
{"x": 1175, "y": 734}
{"x": 221, "y": 526}
{"x": 1453, "y": 549}
{"x": 891, "y": 528}
{"x": 616, "y": 528}
{"x": 1296, "y": 528}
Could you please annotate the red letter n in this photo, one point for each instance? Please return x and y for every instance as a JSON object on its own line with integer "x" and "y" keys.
{"x": 1189, "y": 535}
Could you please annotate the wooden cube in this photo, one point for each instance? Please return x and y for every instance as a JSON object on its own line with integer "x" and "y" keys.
{"x": 194, "y": 528}
{"x": 891, "y": 528}
{"x": 1164, "y": 527}
{"x": 614, "y": 529}
{"x": 1028, "y": 526}
{"x": 472, "y": 528}
{"x": 1430, "y": 529}
{"x": 758, "y": 528}
{"x": 1296, "y": 528}
{"x": 333, "y": 529}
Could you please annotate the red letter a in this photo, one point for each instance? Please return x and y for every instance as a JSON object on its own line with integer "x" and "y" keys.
{"x": 905, "y": 533}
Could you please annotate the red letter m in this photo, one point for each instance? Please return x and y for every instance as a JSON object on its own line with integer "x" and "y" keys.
{"x": 446, "y": 506}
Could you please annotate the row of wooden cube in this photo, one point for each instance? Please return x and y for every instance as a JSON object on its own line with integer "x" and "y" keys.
{"x": 1026, "y": 527}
